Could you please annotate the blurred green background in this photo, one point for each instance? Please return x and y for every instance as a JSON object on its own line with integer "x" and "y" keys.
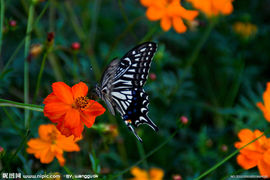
{"x": 218, "y": 92}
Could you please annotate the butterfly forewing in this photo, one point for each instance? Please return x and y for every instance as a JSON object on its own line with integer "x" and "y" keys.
{"x": 123, "y": 86}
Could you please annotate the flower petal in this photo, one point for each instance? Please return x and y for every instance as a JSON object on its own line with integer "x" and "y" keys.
{"x": 77, "y": 131}
{"x": 245, "y": 162}
{"x": 79, "y": 90}
{"x": 146, "y": 2}
{"x": 63, "y": 92}
{"x": 264, "y": 168}
{"x": 156, "y": 174}
{"x": 72, "y": 119}
{"x": 64, "y": 130}
{"x": 139, "y": 173}
{"x": 165, "y": 23}
{"x": 246, "y": 135}
{"x": 60, "y": 159}
{"x": 46, "y": 156}
{"x": 88, "y": 119}
{"x": 179, "y": 25}
{"x": 154, "y": 13}
{"x": 45, "y": 130}
{"x": 67, "y": 144}
{"x": 37, "y": 144}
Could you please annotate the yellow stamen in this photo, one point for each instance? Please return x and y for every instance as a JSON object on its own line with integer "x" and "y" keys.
{"x": 80, "y": 102}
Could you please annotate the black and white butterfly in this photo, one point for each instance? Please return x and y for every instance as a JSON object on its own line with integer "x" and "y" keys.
{"x": 121, "y": 86}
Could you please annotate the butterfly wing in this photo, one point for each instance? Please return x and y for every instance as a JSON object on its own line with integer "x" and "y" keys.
{"x": 127, "y": 93}
{"x": 105, "y": 89}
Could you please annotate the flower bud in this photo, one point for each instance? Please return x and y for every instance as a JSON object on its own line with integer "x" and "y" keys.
{"x": 153, "y": 76}
{"x": 224, "y": 148}
{"x": 177, "y": 177}
{"x": 75, "y": 46}
{"x": 12, "y": 23}
{"x": 184, "y": 120}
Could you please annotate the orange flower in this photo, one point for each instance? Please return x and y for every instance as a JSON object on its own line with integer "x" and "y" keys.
{"x": 266, "y": 107}
{"x": 213, "y": 7}
{"x": 51, "y": 143}
{"x": 170, "y": 12}
{"x": 153, "y": 174}
{"x": 71, "y": 109}
{"x": 246, "y": 30}
{"x": 256, "y": 153}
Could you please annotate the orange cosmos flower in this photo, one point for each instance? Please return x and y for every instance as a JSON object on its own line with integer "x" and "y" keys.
{"x": 213, "y": 7}
{"x": 170, "y": 12}
{"x": 266, "y": 107}
{"x": 152, "y": 174}
{"x": 256, "y": 153}
{"x": 71, "y": 109}
{"x": 51, "y": 143}
{"x": 246, "y": 30}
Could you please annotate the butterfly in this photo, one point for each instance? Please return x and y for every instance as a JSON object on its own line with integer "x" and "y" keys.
{"x": 121, "y": 86}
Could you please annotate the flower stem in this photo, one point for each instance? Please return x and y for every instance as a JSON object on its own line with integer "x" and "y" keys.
{"x": 226, "y": 159}
{"x": 193, "y": 57}
{"x": 142, "y": 154}
{"x": 2, "y": 14}
{"x": 40, "y": 75}
{"x": 26, "y": 63}
{"x": 69, "y": 172}
{"x": 8, "y": 103}
{"x": 10, "y": 60}
{"x": 17, "y": 151}
{"x": 12, "y": 57}
{"x": 146, "y": 156}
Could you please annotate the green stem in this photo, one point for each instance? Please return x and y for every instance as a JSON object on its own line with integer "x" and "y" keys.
{"x": 150, "y": 33}
{"x": 191, "y": 60}
{"x": 26, "y": 63}
{"x": 75, "y": 67}
{"x": 142, "y": 154}
{"x": 2, "y": 14}
{"x": 12, "y": 58}
{"x": 121, "y": 36}
{"x": 21, "y": 43}
{"x": 226, "y": 159}
{"x": 8, "y": 103}
{"x": 17, "y": 151}
{"x": 40, "y": 75}
{"x": 122, "y": 10}
{"x": 69, "y": 172}
{"x": 74, "y": 21}
{"x": 13, "y": 123}
{"x": 146, "y": 156}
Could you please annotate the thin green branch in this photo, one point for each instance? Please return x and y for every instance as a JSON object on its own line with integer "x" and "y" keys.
{"x": 142, "y": 153}
{"x": 17, "y": 151}
{"x": 146, "y": 156}
{"x": 226, "y": 159}
{"x": 40, "y": 75}
{"x": 2, "y": 14}
{"x": 10, "y": 60}
{"x": 22, "y": 42}
{"x": 26, "y": 63}
{"x": 8, "y": 103}
{"x": 194, "y": 56}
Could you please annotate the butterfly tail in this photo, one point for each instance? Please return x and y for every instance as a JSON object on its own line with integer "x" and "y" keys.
{"x": 151, "y": 124}
{"x": 134, "y": 132}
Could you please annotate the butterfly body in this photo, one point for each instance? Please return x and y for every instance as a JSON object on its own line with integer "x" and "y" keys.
{"x": 122, "y": 83}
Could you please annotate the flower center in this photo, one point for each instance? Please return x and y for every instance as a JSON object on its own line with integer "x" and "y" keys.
{"x": 81, "y": 102}
{"x": 53, "y": 136}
